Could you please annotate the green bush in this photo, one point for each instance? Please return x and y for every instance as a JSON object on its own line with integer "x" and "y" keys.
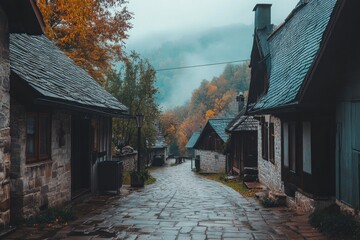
{"x": 335, "y": 223}
{"x": 269, "y": 202}
{"x": 53, "y": 216}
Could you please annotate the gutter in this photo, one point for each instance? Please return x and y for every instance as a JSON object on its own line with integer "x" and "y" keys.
{"x": 72, "y": 106}
{"x": 290, "y": 106}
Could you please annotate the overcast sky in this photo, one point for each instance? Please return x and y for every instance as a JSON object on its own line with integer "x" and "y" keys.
{"x": 174, "y": 16}
{"x": 158, "y": 22}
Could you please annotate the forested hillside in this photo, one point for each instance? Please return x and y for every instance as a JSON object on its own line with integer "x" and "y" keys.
{"x": 221, "y": 44}
{"x": 214, "y": 98}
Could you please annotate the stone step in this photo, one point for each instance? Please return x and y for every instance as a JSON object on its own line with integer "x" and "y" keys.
{"x": 250, "y": 178}
{"x": 250, "y": 170}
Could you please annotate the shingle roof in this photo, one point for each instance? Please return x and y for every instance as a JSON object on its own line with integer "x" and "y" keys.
{"x": 242, "y": 123}
{"x": 193, "y": 139}
{"x": 159, "y": 141}
{"x": 293, "y": 48}
{"x": 56, "y": 77}
{"x": 219, "y": 125}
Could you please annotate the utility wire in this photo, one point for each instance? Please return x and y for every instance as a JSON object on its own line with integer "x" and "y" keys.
{"x": 200, "y": 65}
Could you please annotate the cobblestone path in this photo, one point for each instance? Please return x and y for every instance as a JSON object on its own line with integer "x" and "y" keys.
{"x": 182, "y": 205}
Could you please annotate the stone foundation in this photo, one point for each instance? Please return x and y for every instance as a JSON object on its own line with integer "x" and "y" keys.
{"x": 307, "y": 204}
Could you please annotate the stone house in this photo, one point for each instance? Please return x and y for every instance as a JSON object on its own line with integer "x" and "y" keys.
{"x": 159, "y": 151}
{"x": 57, "y": 119}
{"x": 210, "y": 146}
{"x": 243, "y": 152}
{"x": 296, "y": 140}
{"x": 15, "y": 17}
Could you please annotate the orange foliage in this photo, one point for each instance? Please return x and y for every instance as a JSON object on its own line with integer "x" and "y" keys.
{"x": 91, "y": 32}
{"x": 215, "y": 98}
{"x": 169, "y": 124}
{"x": 209, "y": 114}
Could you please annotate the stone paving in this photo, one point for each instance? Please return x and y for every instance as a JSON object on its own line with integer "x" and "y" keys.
{"x": 180, "y": 205}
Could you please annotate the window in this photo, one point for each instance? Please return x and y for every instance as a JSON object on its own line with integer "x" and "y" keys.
{"x": 307, "y": 147}
{"x": 268, "y": 141}
{"x": 289, "y": 146}
{"x": 37, "y": 137}
{"x": 264, "y": 141}
{"x": 271, "y": 143}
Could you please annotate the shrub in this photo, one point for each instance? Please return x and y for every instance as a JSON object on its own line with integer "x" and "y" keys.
{"x": 335, "y": 223}
{"x": 53, "y": 216}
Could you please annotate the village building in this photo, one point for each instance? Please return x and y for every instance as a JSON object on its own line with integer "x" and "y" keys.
{"x": 158, "y": 152}
{"x": 56, "y": 119}
{"x": 334, "y": 87}
{"x": 210, "y": 146}
{"x": 15, "y": 17}
{"x": 190, "y": 151}
{"x": 296, "y": 139}
{"x": 243, "y": 142}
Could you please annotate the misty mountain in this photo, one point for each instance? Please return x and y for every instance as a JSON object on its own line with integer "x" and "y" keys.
{"x": 169, "y": 50}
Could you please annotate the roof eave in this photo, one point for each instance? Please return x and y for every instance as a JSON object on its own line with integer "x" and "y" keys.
{"x": 290, "y": 107}
{"x": 82, "y": 107}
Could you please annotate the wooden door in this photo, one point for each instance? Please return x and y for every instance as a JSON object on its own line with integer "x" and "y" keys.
{"x": 80, "y": 156}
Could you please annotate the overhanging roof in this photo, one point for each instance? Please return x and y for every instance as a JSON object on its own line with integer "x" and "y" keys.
{"x": 293, "y": 48}
{"x": 193, "y": 139}
{"x": 56, "y": 79}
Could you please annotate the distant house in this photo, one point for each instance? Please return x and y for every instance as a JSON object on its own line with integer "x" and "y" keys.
{"x": 210, "y": 146}
{"x": 243, "y": 152}
{"x": 159, "y": 150}
{"x": 60, "y": 126}
{"x": 296, "y": 138}
{"x": 191, "y": 143}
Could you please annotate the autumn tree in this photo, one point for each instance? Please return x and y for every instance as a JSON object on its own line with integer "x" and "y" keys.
{"x": 91, "y": 32}
{"x": 133, "y": 85}
{"x": 215, "y": 98}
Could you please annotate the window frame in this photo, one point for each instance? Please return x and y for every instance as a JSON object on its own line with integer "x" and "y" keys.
{"x": 268, "y": 140}
{"x": 264, "y": 139}
{"x": 38, "y": 155}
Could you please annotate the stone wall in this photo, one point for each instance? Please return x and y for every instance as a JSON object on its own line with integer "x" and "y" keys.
{"x": 211, "y": 162}
{"x": 4, "y": 121}
{"x": 270, "y": 173}
{"x": 129, "y": 161}
{"x": 44, "y": 184}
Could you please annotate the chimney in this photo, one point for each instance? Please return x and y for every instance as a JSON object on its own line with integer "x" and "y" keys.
{"x": 262, "y": 16}
{"x": 241, "y": 101}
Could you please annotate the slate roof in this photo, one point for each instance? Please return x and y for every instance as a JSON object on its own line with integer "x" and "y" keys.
{"x": 293, "y": 47}
{"x": 160, "y": 141}
{"x": 219, "y": 125}
{"x": 48, "y": 71}
{"x": 242, "y": 123}
{"x": 193, "y": 139}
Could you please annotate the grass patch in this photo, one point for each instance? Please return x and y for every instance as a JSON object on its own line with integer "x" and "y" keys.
{"x": 236, "y": 184}
{"x": 127, "y": 179}
{"x": 335, "y": 223}
{"x": 52, "y": 216}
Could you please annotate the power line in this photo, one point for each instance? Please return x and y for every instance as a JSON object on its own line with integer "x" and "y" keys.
{"x": 200, "y": 65}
